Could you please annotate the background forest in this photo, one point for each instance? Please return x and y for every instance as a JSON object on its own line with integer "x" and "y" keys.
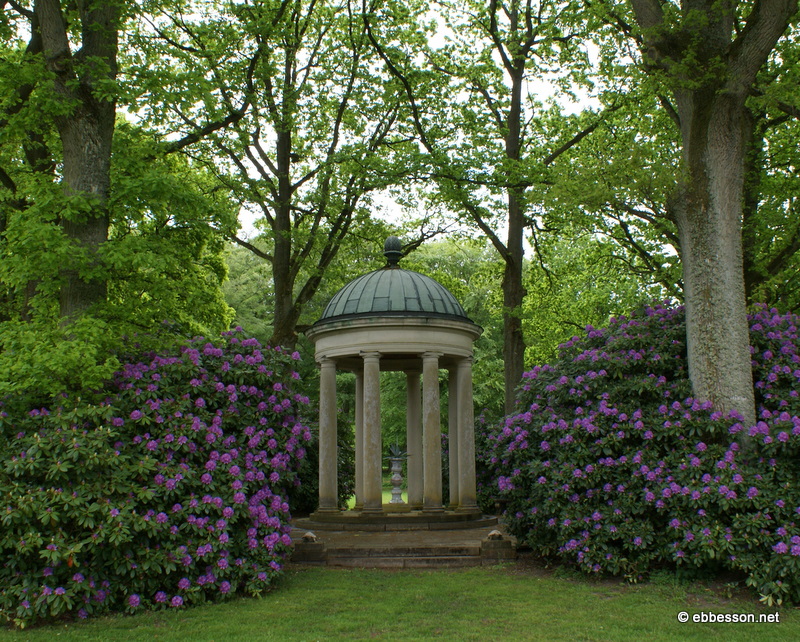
{"x": 548, "y": 143}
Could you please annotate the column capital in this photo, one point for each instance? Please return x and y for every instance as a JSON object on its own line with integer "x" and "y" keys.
{"x": 369, "y": 354}
{"x": 431, "y": 354}
{"x": 324, "y": 361}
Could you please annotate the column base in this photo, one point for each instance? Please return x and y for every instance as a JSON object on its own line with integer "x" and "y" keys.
{"x": 468, "y": 509}
{"x": 372, "y": 511}
{"x": 326, "y": 511}
{"x": 371, "y": 507}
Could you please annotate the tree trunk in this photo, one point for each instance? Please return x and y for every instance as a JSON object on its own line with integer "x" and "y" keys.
{"x": 708, "y": 218}
{"x": 86, "y": 133}
{"x": 283, "y": 277}
{"x": 513, "y": 289}
{"x": 513, "y": 295}
{"x": 712, "y": 63}
{"x": 86, "y": 139}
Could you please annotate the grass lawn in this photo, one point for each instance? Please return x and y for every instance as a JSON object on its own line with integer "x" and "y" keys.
{"x": 513, "y": 602}
{"x": 386, "y": 498}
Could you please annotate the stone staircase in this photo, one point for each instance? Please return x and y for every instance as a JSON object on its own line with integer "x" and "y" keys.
{"x": 419, "y": 547}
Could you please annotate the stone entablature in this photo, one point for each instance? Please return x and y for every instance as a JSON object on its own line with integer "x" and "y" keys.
{"x": 399, "y": 339}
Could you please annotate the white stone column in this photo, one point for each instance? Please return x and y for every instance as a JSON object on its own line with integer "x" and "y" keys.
{"x": 373, "y": 498}
{"x": 452, "y": 434}
{"x": 431, "y": 434}
{"x": 359, "y": 440}
{"x": 467, "y": 494}
{"x": 328, "y": 484}
{"x": 414, "y": 475}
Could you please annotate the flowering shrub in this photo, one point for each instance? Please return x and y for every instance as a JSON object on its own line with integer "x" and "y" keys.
{"x": 611, "y": 465}
{"x": 169, "y": 493}
{"x": 304, "y": 498}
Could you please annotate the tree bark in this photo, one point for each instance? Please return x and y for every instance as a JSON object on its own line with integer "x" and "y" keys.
{"x": 513, "y": 339}
{"x": 708, "y": 217}
{"x": 513, "y": 289}
{"x": 83, "y": 81}
{"x": 285, "y": 319}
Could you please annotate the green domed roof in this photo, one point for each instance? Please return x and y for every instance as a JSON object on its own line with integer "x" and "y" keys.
{"x": 393, "y": 291}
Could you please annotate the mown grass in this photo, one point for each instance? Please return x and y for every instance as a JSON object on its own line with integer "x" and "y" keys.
{"x": 514, "y": 602}
{"x": 386, "y": 493}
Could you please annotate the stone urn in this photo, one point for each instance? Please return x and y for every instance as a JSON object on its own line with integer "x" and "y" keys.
{"x": 396, "y": 458}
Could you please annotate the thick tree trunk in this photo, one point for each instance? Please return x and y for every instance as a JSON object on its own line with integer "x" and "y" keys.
{"x": 708, "y": 217}
{"x": 86, "y": 139}
{"x": 86, "y": 133}
{"x": 712, "y": 64}
{"x": 286, "y": 315}
{"x": 284, "y": 327}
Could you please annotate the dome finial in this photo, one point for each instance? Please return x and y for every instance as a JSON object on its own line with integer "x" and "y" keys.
{"x": 393, "y": 251}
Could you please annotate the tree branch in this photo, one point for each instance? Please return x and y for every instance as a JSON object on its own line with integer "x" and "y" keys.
{"x": 647, "y": 218}
{"x": 666, "y": 103}
{"x": 577, "y": 138}
{"x": 764, "y": 26}
{"x": 415, "y": 112}
{"x": 16, "y": 6}
{"x": 245, "y": 244}
{"x": 616, "y": 20}
{"x": 209, "y": 128}
{"x": 7, "y": 181}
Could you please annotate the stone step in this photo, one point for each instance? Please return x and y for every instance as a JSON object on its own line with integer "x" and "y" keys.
{"x": 402, "y": 548}
{"x": 405, "y": 551}
{"x": 395, "y": 521}
{"x": 433, "y": 561}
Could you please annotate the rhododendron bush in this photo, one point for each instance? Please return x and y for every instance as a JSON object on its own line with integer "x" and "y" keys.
{"x": 611, "y": 465}
{"x": 171, "y": 492}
